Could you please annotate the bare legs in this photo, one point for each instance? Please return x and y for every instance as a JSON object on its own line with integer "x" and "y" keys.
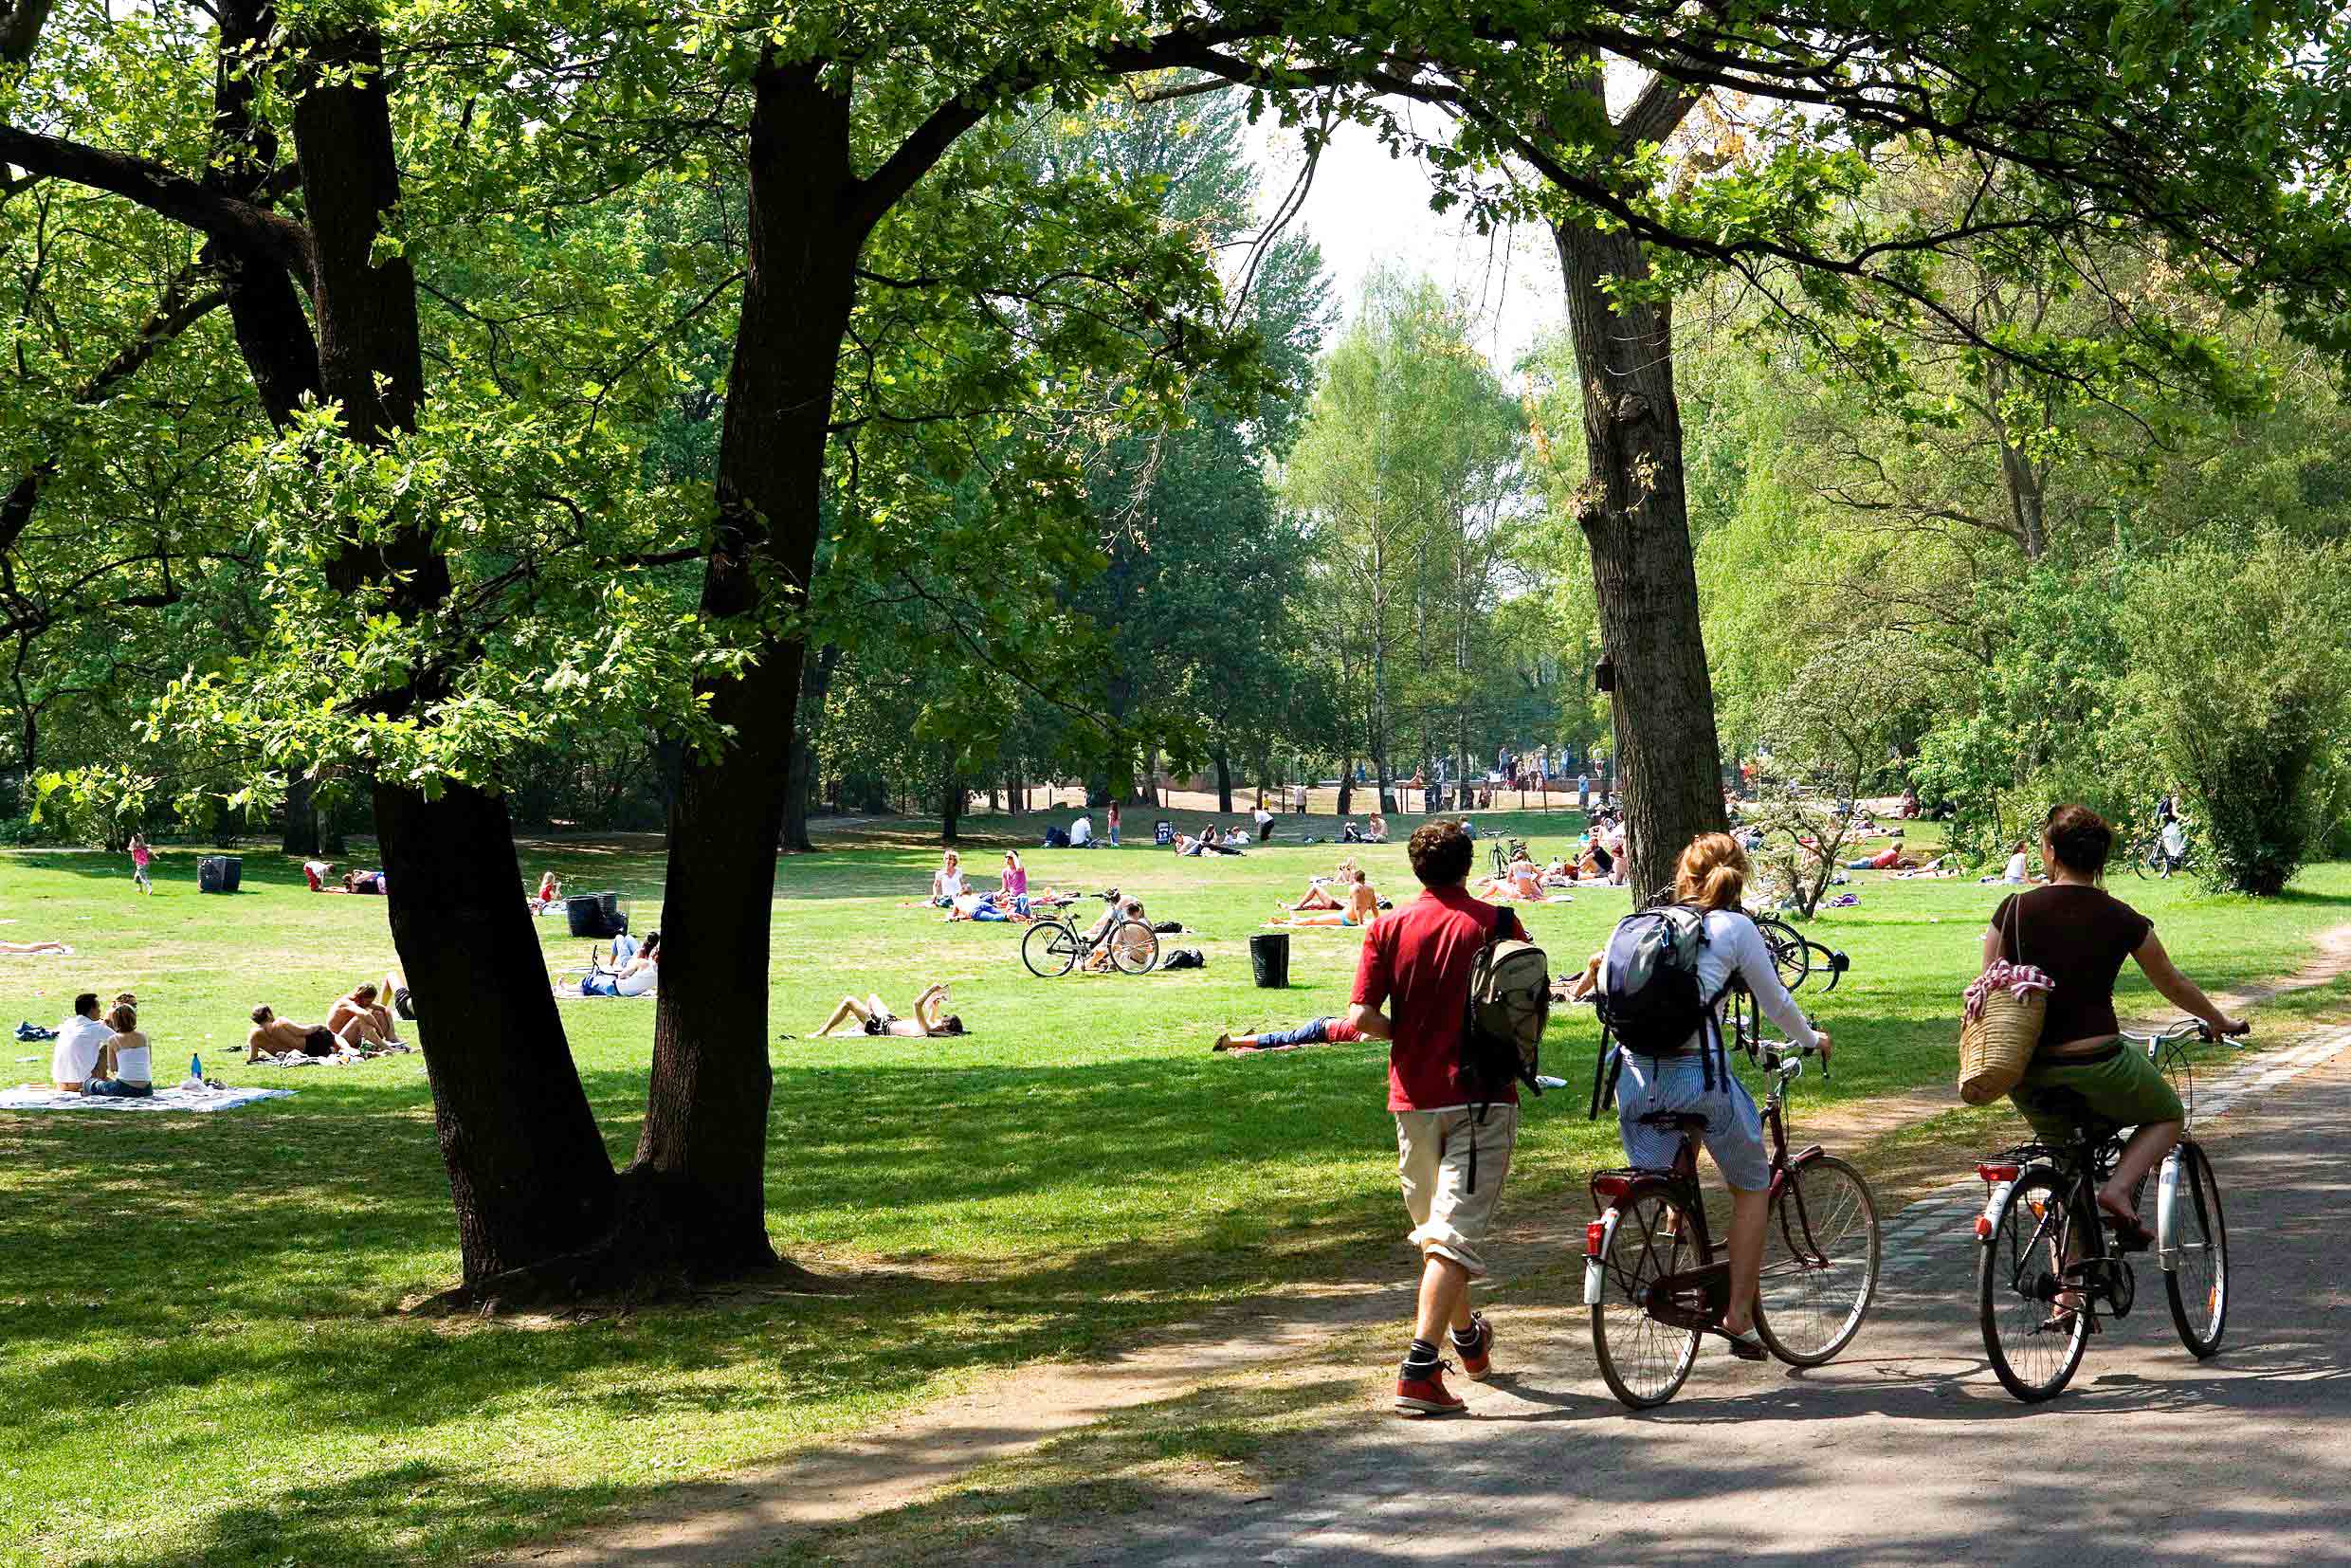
{"x": 1749, "y": 1211}
{"x": 1445, "y": 1297}
{"x": 850, "y": 1008}
{"x": 2147, "y": 1145}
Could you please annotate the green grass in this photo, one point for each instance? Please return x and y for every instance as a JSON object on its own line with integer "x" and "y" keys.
{"x": 202, "y": 1354}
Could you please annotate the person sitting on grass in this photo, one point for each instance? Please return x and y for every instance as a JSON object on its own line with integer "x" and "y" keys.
{"x": 1378, "y": 832}
{"x": 357, "y": 1016}
{"x": 123, "y": 1062}
{"x": 36, "y": 947}
{"x": 635, "y": 978}
{"x": 274, "y": 1036}
{"x": 1521, "y": 880}
{"x": 550, "y": 894}
{"x": 1314, "y": 1032}
{"x": 930, "y": 1021}
{"x": 1016, "y": 875}
{"x": 80, "y": 1040}
{"x": 1361, "y": 909}
{"x": 947, "y": 881}
{"x": 1129, "y": 939}
{"x": 2019, "y": 868}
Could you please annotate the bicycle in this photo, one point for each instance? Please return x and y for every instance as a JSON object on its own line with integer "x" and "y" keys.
{"x": 2042, "y": 1235}
{"x": 1792, "y": 954}
{"x": 2148, "y": 858}
{"x": 1652, "y": 1280}
{"x": 1501, "y": 856}
{"x": 1054, "y": 945}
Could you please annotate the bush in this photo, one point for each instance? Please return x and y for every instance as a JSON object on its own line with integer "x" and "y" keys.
{"x": 2238, "y": 666}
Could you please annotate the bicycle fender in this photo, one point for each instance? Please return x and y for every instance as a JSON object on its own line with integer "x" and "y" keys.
{"x": 1804, "y": 1156}
{"x": 1596, "y": 1263}
{"x": 2167, "y": 1226}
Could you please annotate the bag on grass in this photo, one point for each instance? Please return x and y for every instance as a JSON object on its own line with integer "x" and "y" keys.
{"x": 1184, "y": 957}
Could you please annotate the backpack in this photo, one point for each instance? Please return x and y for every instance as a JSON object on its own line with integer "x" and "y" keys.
{"x": 1184, "y": 957}
{"x": 1502, "y": 1025}
{"x": 1650, "y": 999}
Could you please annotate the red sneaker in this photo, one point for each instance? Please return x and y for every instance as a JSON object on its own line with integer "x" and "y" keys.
{"x": 1477, "y": 1358}
{"x": 1428, "y": 1396}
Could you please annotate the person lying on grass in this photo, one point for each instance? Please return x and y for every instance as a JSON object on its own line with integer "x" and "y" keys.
{"x": 36, "y": 947}
{"x": 1314, "y": 1032}
{"x": 359, "y": 1013}
{"x": 930, "y": 1021}
{"x": 1319, "y": 894}
{"x": 273, "y": 1036}
{"x": 1361, "y": 909}
{"x": 634, "y": 976}
{"x": 988, "y": 906}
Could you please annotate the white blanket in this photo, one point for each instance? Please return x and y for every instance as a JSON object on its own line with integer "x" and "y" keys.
{"x": 40, "y": 1096}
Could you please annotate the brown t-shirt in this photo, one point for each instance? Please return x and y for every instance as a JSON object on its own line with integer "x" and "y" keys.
{"x": 2080, "y": 937}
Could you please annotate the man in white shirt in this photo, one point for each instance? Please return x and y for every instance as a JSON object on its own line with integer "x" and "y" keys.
{"x": 74, "y": 1062}
{"x": 1082, "y": 832}
{"x": 1264, "y": 823}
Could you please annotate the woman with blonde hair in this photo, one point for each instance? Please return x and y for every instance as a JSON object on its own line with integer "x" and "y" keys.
{"x": 1711, "y": 877}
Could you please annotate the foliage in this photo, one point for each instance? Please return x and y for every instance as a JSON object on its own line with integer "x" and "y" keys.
{"x": 2238, "y": 658}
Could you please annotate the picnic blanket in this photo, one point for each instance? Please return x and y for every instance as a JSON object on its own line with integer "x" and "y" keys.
{"x": 40, "y": 1096}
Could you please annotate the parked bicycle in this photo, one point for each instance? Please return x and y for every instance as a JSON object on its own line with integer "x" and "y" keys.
{"x": 1798, "y": 957}
{"x": 1503, "y": 854}
{"x": 1054, "y": 945}
{"x": 2048, "y": 1269}
{"x": 1652, "y": 1276}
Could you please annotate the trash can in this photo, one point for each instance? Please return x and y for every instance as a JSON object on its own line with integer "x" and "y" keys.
{"x": 1269, "y": 956}
{"x": 219, "y": 873}
{"x": 596, "y": 915}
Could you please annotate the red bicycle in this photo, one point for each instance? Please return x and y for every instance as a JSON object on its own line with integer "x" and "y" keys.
{"x": 1656, "y": 1286}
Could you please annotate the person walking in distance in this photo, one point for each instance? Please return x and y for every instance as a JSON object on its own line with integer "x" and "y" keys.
{"x": 1412, "y": 988}
{"x": 1114, "y": 824}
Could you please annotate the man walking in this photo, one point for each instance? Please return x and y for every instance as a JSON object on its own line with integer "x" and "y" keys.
{"x": 1412, "y": 988}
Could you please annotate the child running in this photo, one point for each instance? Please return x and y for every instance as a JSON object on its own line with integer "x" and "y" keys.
{"x": 142, "y": 857}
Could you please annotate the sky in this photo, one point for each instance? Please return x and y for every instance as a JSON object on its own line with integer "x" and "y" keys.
{"x": 1365, "y": 208}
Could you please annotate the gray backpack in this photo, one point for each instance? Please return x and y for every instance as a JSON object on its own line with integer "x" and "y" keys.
{"x": 1509, "y": 1004}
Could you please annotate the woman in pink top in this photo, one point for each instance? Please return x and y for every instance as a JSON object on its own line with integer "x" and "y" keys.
{"x": 1016, "y": 875}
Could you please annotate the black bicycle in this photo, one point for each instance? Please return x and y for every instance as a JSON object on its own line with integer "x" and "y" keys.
{"x": 2048, "y": 1269}
{"x": 1798, "y": 957}
{"x": 1054, "y": 945}
{"x": 1501, "y": 855}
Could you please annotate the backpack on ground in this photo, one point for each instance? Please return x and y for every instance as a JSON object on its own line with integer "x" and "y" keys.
{"x": 1184, "y": 957}
{"x": 1651, "y": 1001}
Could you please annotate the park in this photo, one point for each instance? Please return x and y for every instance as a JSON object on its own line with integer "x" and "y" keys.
{"x": 676, "y": 692}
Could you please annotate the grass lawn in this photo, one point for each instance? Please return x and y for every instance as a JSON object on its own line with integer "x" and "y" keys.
{"x": 202, "y": 1355}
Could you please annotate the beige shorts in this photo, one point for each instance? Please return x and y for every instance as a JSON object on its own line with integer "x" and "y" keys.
{"x": 1432, "y": 1157}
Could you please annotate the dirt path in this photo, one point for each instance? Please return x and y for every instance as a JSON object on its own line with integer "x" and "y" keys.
{"x": 729, "y": 1522}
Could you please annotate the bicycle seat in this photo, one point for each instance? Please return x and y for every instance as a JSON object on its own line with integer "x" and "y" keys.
{"x": 1675, "y": 1121}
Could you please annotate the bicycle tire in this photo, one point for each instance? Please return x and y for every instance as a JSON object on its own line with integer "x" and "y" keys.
{"x": 1644, "y": 1362}
{"x": 1054, "y": 956}
{"x": 1791, "y": 953}
{"x": 2032, "y": 1231}
{"x": 1809, "y": 1307}
{"x": 1139, "y": 955}
{"x": 2199, "y": 1296}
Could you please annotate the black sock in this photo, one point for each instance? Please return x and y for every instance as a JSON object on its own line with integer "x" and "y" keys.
{"x": 1421, "y": 1359}
{"x": 1464, "y": 1338}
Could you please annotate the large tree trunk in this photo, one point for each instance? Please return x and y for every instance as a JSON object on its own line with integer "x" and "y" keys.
{"x": 705, "y": 1143}
{"x": 527, "y": 1168}
{"x": 301, "y": 819}
{"x": 1635, "y": 513}
{"x": 1224, "y": 781}
{"x": 800, "y": 791}
{"x": 951, "y": 807}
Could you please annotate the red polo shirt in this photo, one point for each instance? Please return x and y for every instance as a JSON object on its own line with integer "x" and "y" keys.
{"x": 1416, "y": 960}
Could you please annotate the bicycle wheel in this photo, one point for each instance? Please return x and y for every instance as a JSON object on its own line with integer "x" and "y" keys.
{"x": 1820, "y": 1263}
{"x": 1134, "y": 947}
{"x": 2142, "y": 856}
{"x": 1791, "y": 954}
{"x": 1050, "y": 949}
{"x": 2033, "y": 1347}
{"x": 1645, "y": 1362}
{"x": 2199, "y": 1285}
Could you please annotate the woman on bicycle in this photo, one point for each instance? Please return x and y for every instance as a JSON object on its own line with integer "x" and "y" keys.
{"x": 2076, "y": 933}
{"x": 1712, "y": 876}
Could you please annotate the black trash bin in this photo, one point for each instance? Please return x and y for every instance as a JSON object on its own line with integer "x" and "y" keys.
{"x": 1269, "y": 956}
{"x": 596, "y": 915}
{"x": 219, "y": 873}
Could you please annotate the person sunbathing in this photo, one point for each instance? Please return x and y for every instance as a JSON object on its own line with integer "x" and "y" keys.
{"x": 634, "y": 976}
{"x": 358, "y": 1018}
{"x": 1316, "y": 897}
{"x": 36, "y": 947}
{"x": 1522, "y": 883}
{"x": 930, "y": 1021}
{"x": 1314, "y": 1032}
{"x": 363, "y": 881}
{"x": 998, "y": 906}
{"x": 274, "y": 1036}
{"x": 1361, "y": 909}
{"x": 1107, "y": 946}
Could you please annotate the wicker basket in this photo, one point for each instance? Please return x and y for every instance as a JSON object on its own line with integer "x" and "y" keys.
{"x": 1996, "y": 1045}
